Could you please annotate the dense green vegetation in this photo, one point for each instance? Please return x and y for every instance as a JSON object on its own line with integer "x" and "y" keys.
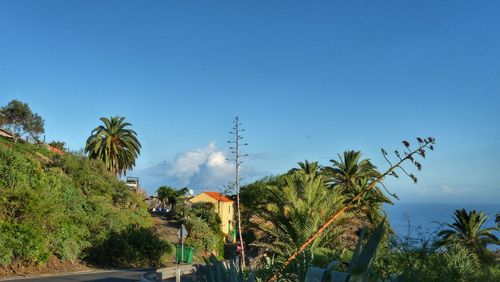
{"x": 288, "y": 212}
{"x": 70, "y": 207}
{"x": 200, "y": 219}
{"x": 203, "y": 225}
{"x": 291, "y": 207}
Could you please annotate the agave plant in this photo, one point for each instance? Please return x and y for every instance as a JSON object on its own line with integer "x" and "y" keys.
{"x": 220, "y": 271}
{"x": 360, "y": 264}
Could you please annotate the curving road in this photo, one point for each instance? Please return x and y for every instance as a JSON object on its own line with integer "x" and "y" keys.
{"x": 101, "y": 276}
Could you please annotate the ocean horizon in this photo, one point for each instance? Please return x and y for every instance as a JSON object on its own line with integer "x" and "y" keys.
{"x": 425, "y": 219}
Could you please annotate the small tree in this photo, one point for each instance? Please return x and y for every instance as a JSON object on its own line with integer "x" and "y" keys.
{"x": 17, "y": 118}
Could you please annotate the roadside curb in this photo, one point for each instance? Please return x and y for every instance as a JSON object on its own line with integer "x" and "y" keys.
{"x": 167, "y": 273}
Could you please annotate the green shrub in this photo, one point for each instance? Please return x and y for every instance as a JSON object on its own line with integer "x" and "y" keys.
{"x": 489, "y": 273}
{"x": 133, "y": 247}
{"x": 458, "y": 264}
{"x": 203, "y": 238}
{"x": 24, "y": 243}
{"x": 407, "y": 258}
{"x": 206, "y": 212}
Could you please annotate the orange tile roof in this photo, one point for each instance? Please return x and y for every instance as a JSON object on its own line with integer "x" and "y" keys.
{"x": 55, "y": 150}
{"x": 218, "y": 196}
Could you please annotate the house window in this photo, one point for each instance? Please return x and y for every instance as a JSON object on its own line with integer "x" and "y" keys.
{"x": 229, "y": 209}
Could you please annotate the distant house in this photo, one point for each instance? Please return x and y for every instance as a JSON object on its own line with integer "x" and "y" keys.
{"x": 224, "y": 207}
{"x": 6, "y": 134}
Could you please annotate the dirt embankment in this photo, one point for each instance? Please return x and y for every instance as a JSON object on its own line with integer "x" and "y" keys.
{"x": 53, "y": 265}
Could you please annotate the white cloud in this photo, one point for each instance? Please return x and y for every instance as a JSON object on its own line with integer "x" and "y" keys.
{"x": 205, "y": 168}
{"x": 437, "y": 190}
{"x": 187, "y": 164}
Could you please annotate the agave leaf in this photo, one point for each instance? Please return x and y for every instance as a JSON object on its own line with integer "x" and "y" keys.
{"x": 315, "y": 274}
{"x": 369, "y": 250}
{"x": 218, "y": 267}
{"x": 233, "y": 272}
{"x": 210, "y": 273}
{"x": 357, "y": 251}
{"x": 362, "y": 277}
{"x": 337, "y": 276}
{"x": 331, "y": 265}
{"x": 251, "y": 277}
{"x": 360, "y": 265}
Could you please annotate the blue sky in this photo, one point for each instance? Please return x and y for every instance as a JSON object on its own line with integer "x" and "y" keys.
{"x": 308, "y": 79}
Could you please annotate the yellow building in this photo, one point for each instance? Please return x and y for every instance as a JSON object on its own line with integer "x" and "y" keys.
{"x": 224, "y": 207}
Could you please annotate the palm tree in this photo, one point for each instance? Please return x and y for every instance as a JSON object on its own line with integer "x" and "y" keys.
{"x": 299, "y": 205}
{"x": 311, "y": 168}
{"x": 350, "y": 175}
{"x": 167, "y": 194}
{"x": 468, "y": 231}
{"x": 350, "y": 170}
{"x": 114, "y": 145}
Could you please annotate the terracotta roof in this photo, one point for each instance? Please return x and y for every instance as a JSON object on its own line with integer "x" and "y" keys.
{"x": 55, "y": 150}
{"x": 218, "y": 196}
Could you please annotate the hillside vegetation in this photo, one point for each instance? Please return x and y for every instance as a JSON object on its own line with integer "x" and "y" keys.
{"x": 70, "y": 207}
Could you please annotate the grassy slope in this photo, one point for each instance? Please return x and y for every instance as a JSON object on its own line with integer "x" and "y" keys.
{"x": 69, "y": 208}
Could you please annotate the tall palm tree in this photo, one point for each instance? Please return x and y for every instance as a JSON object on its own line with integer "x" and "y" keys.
{"x": 468, "y": 231}
{"x": 351, "y": 174}
{"x": 114, "y": 144}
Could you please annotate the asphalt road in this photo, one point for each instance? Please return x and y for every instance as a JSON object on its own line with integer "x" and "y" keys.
{"x": 106, "y": 276}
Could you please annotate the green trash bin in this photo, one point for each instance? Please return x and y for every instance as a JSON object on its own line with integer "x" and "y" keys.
{"x": 184, "y": 257}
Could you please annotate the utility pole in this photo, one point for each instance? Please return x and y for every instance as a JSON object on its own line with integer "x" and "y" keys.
{"x": 235, "y": 150}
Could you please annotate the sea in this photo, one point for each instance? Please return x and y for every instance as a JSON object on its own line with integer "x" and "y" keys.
{"x": 424, "y": 220}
